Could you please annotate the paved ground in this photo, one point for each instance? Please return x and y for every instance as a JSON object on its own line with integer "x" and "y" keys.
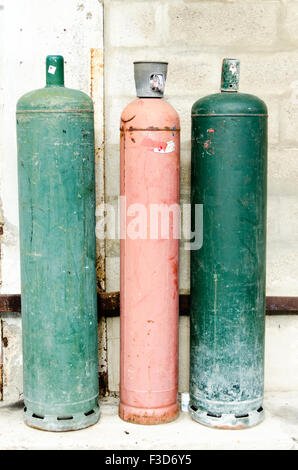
{"x": 278, "y": 431}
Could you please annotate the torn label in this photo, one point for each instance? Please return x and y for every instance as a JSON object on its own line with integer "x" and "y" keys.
{"x": 52, "y": 69}
{"x": 233, "y": 69}
{"x": 169, "y": 148}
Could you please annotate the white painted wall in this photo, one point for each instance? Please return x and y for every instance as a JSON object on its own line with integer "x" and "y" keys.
{"x": 30, "y": 30}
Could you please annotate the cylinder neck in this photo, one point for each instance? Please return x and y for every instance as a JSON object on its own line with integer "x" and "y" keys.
{"x": 54, "y": 70}
{"x": 150, "y": 78}
{"x": 230, "y": 75}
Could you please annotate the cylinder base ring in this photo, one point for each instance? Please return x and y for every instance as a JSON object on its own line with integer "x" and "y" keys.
{"x": 136, "y": 415}
{"x": 227, "y": 420}
{"x": 62, "y": 423}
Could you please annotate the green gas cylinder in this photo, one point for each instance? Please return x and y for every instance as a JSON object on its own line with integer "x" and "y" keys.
{"x": 229, "y": 167}
{"x": 55, "y": 136}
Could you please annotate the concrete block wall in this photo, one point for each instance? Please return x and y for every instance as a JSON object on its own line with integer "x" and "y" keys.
{"x": 194, "y": 36}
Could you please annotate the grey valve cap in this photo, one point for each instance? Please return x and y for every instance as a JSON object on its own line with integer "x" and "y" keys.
{"x": 150, "y": 78}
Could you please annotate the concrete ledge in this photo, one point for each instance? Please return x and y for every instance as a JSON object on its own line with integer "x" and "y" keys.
{"x": 278, "y": 431}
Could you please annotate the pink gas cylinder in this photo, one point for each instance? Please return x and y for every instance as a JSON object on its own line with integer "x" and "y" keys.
{"x": 149, "y": 298}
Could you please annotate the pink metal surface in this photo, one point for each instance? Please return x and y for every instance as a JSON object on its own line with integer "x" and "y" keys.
{"x": 150, "y": 148}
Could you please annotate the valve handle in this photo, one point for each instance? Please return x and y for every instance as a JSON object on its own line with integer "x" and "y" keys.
{"x": 157, "y": 82}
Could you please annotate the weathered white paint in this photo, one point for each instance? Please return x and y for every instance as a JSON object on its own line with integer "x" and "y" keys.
{"x": 30, "y": 30}
{"x": 12, "y": 358}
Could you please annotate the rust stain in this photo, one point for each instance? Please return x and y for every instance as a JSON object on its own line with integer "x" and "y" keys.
{"x": 102, "y": 358}
{"x": 108, "y": 302}
{"x": 208, "y": 145}
{"x": 175, "y": 267}
{"x": 97, "y": 95}
{"x": 103, "y": 383}
{"x": 128, "y": 120}
{"x": 149, "y": 128}
{"x": 238, "y": 427}
{"x": 100, "y": 273}
{"x": 10, "y": 303}
{"x": 149, "y": 419}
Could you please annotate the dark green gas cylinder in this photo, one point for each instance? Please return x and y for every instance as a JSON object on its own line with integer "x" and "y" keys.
{"x": 55, "y": 134}
{"x": 229, "y": 167}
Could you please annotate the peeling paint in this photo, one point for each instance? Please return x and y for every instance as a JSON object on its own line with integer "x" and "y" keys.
{"x": 97, "y": 62}
{"x": 11, "y": 352}
{"x": 97, "y": 95}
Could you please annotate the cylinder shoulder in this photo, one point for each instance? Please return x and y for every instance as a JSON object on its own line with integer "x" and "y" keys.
{"x": 55, "y": 98}
{"x": 143, "y": 113}
{"x": 229, "y": 103}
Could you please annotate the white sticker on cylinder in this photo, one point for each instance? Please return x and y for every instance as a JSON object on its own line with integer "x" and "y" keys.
{"x": 184, "y": 401}
{"x": 169, "y": 148}
{"x": 233, "y": 69}
{"x": 52, "y": 69}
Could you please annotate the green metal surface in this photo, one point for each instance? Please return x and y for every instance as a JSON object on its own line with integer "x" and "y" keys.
{"x": 54, "y": 70}
{"x": 55, "y": 134}
{"x": 230, "y": 75}
{"x": 229, "y": 167}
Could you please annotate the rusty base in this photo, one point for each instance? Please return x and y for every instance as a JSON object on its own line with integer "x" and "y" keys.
{"x": 135, "y": 415}
{"x": 53, "y": 423}
{"x": 227, "y": 421}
